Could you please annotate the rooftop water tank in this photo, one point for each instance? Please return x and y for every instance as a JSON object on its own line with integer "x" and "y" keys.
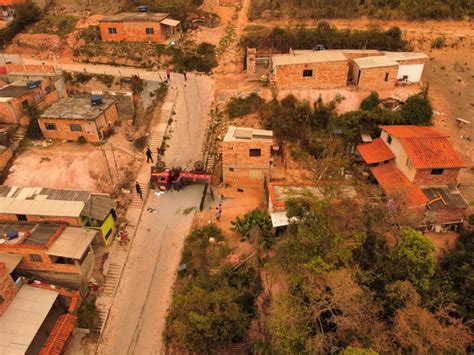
{"x": 33, "y": 84}
{"x": 96, "y": 100}
{"x": 142, "y": 8}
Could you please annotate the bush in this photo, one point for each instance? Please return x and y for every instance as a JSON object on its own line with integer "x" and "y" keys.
{"x": 34, "y": 130}
{"x": 140, "y": 142}
{"x": 438, "y": 43}
{"x": 106, "y": 79}
{"x": 56, "y": 25}
{"x": 202, "y": 59}
{"x": 81, "y": 140}
{"x": 87, "y": 316}
{"x": 258, "y": 222}
{"x": 241, "y": 106}
{"x": 370, "y": 102}
{"x": 417, "y": 110}
{"x": 81, "y": 78}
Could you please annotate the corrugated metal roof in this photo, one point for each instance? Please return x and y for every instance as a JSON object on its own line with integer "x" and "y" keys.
{"x": 405, "y": 55}
{"x": 247, "y": 134}
{"x": 314, "y": 57}
{"x": 41, "y": 207}
{"x": 11, "y": 260}
{"x": 135, "y": 17}
{"x": 98, "y": 207}
{"x": 72, "y": 243}
{"x": 375, "y": 62}
{"x": 170, "y": 22}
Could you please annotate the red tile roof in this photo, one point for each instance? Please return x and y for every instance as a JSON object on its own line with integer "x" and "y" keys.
{"x": 410, "y": 131}
{"x": 60, "y": 334}
{"x": 395, "y": 184}
{"x": 426, "y": 147}
{"x": 375, "y": 152}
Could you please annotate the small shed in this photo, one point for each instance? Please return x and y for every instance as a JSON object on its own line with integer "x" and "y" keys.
{"x": 375, "y": 73}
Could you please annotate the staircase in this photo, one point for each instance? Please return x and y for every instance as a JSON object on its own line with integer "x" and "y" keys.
{"x": 137, "y": 202}
{"x": 103, "y": 314}
{"x": 18, "y": 137}
{"x": 111, "y": 279}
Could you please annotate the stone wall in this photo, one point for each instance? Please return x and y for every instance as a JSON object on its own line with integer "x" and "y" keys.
{"x": 326, "y": 75}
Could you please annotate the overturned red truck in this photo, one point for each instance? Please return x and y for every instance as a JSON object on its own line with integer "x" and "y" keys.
{"x": 175, "y": 178}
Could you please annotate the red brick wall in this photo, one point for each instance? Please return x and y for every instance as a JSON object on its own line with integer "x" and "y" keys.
{"x": 374, "y": 78}
{"x": 29, "y": 68}
{"x": 423, "y": 177}
{"x": 131, "y": 31}
{"x": 63, "y": 129}
{"x": 326, "y": 75}
{"x": 448, "y": 215}
{"x": 41, "y": 219}
{"x": 8, "y": 289}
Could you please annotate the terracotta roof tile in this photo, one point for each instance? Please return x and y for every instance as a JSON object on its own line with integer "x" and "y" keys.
{"x": 375, "y": 152}
{"x": 410, "y": 131}
{"x": 395, "y": 184}
{"x": 60, "y": 334}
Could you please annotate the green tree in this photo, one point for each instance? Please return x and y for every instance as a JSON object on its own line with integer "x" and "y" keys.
{"x": 412, "y": 259}
{"x": 417, "y": 110}
{"x": 370, "y": 102}
{"x": 34, "y": 130}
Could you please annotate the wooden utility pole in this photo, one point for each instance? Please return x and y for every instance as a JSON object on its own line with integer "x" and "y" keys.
{"x": 108, "y": 166}
{"x": 115, "y": 162}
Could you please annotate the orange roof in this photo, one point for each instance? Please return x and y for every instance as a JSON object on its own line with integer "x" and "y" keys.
{"x": 375, "y": 152}
{"x": 395, "y": 184}
{"x": 60, "y": 334}
{"x": 410, "y": 131}
{"x": 426, "y": 147}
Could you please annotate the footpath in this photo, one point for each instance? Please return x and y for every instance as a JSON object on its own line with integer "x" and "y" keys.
{"x": 114, "y": 266}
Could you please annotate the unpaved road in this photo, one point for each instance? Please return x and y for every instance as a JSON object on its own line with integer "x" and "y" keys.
{"x": 138, "y": 312}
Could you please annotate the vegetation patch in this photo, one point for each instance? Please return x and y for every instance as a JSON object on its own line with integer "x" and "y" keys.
{"x": 256, "y": 226}
{"x": 25, "y": 14}
{"x": 241, "y": 106}
{"x": 201, "y": 59}
{"x": 55, "y": 25}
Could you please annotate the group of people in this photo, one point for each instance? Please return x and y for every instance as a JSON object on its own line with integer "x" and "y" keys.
{"x": 168, "y": 75}
{"x": 218, "y": 212}
{"x": 149, "y": 154}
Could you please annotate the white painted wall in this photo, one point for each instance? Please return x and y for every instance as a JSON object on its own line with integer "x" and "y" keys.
{"x": 400, "y": 156}
{"x": 413, "y": 71}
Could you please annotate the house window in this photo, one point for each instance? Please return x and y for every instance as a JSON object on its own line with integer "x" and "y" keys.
{"x": 150, "y": 31}
{"x": 21, "y": 217}
{"x": 389, "y": 139}
{"x": 24, "y": 105}
{"x": 307, "y": 73}
{"x": 75, "y": 127}
{"x": 231, "y": 169}
{"x": 50, "y": 126}
{"x": 112, "y": 30}
{"x": 437, "y": 171}
{"x": 386, "y": 76}
{"x": 38, "y": 97}
{"x": 109, "y": 233}
{"x": 409, "y": 163}
{"x": 36, "y": 258}
{"x": 255, "y": 152}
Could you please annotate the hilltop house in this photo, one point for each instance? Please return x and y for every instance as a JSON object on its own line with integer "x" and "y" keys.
{"x": 418, "y": 165}
{"x": 138, "y": 27}
{"x": 72, "y": 207}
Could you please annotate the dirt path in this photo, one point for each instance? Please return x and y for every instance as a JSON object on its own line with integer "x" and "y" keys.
{"x": 137, "y": 317}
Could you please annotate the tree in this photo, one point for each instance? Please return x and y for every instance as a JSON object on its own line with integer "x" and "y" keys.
{"x": 370, "y": 102}
{"x": 417, "y": 110}
{"x": 34, "y": 130}
{"x": 412, "y": 259}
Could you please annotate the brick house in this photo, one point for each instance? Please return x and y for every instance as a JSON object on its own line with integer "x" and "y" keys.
{"x": 418, "y": 165}
{"x": 71, "y": 207}
{"x": 71, "y": 118}
{"x": 36, "y": 318}
{"x": 246, "y": 155}
{"x": 374, "y": 73}
{"x": 310, "y": 69}
{"x": 138, "y": 27}
{"x": 51, "y": 252}
{"x": 15, "y": 99}
{"x": 410, "y": 65}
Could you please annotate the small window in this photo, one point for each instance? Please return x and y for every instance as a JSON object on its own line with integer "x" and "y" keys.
{"x": 255, "y": 152}
{"x": 75, "y": 127}
{"x": 409, "y": 163}
{"x": 437, "y": 171}
{"x": 36, "y": 258}
{"x": 307, "y": 73}
{"x": 112, "y": 30}
{"x": 389, "y": 139}
{"x": 21, "y": 217}
{"x": 25, "y": 105}
{"x": 386, "y": 76}
{"x": 231, "y": 169}
{"x": 38, "y": 97}
{"x": 50, "y": 126}
{"x": 405, "y": 78}
{"x": 108, "y": 234}
{"x": 150, "y": 31}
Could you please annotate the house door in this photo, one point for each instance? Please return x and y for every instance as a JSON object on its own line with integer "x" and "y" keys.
{"x": 358, "y": 77}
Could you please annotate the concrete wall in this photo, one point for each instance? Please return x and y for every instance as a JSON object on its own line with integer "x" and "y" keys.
{"x": 8, "y": 289}
{"x": 247, "y": 170}
{"x": 327, "y": 75}
{"x": 374, "y": 78}
{"x": 400, "y": 156}
{"x": 131, "y": 31}
{"x": 423, "y": 177}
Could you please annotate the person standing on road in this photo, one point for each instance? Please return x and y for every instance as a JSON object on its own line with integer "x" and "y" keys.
{"x": 158, "y": 154}
{"x": 218, "y": 214}
{"x": 149, "y": 155}
{"x": 185, "y": 75}
{"x": 168, "y": 74}
{"x": 139, "y": 190}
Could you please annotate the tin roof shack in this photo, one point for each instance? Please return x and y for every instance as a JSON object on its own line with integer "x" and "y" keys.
{"x": 54, "y": 253}
{"x": 410, "y": 65}
{"x": 419, "y": 166}
{"x": 34, "y": 318}
{"x": 73, "y": 207}
{"x": 375, "y": 73}
{"x": 246, "y": 155}
{"x": 71, "y": 118}
{"x": 15, "y": 99}
{"x": 310, "y": 70}
{"x": 138, "y": 27}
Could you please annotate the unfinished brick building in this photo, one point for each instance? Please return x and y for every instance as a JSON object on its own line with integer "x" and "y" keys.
{"x": 375, "y": 73}
{"x": 138, "y": 27}
{"x": 72, "y": 207}
{"x": 418, "y": 165}
{"x": 70, "y": 118}
{"x": 54, "y": 253}
{"x": 246, "y": 155}
{"x": 17, "y": 97}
